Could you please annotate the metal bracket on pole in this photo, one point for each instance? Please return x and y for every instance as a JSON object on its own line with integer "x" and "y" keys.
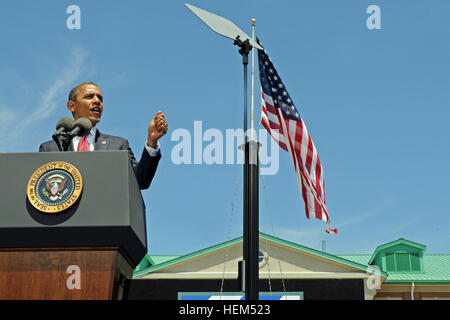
{"x": 245, "y": 48}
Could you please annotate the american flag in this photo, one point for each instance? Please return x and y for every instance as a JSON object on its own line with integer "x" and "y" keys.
{"x": 281, "y": 118}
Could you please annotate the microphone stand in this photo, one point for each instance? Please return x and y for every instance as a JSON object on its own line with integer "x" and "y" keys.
{"x": 63, "y": 140}
{"x": 56, "y": 139}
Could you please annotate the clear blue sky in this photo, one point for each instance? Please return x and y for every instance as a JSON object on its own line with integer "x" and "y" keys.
{"x": 376, "y": 103}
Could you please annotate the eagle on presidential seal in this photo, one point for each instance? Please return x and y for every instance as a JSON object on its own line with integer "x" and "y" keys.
{"x": 54, "y": 189}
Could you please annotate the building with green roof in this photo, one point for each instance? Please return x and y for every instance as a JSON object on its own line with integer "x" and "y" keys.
{"x": 396, "y": 270}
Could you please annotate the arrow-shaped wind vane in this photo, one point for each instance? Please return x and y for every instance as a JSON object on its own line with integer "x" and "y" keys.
{"x": 222, "y": 26}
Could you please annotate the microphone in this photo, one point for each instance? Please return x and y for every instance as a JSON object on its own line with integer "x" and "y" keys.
{"x": 81, "y": 127}
{"x": 63, "y": 125}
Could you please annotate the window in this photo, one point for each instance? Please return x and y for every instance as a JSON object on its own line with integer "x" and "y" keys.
{"x": 390, "y": 262}
{"x": 415, "y": 262}
{"x": 402, "y": 262}
{"x": 262, "y": 258}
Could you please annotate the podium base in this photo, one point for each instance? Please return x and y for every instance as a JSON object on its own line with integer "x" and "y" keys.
{"x": 96, "y": 273}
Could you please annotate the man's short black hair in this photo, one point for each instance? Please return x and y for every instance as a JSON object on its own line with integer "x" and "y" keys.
{"x": 75, "y": 91}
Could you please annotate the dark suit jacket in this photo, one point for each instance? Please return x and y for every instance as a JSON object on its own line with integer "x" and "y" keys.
{"x": 144, "y": 169}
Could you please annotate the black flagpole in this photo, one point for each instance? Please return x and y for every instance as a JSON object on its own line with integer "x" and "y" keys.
{"x": 249, "y": 270}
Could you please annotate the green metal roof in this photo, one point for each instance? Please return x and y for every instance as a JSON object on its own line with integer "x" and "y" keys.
{"x": 145, "y": 263}
{"x": 157, "y": 259}
{"x": 436, "y": 269}
{"x": 358, "y": 258}
{"x": 177, "y": 259}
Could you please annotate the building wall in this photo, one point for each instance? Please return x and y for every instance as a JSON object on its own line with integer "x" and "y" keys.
{"x": 313, "y": 289}
{"x": 420, "y": 292}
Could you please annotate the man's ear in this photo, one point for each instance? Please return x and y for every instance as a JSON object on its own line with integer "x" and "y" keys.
{"x": 71, "y": 106}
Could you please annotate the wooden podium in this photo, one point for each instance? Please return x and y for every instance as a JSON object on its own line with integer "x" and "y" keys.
{"x": 86, "y": 251}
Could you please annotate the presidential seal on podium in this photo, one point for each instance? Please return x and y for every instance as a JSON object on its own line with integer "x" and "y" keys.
{"x": 54, "y": 187}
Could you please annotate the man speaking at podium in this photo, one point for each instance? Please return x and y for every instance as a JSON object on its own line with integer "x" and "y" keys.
{"x": 86, "y": 101}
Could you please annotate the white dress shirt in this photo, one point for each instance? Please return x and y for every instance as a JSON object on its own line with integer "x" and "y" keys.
{"x": 90, "y": 139}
